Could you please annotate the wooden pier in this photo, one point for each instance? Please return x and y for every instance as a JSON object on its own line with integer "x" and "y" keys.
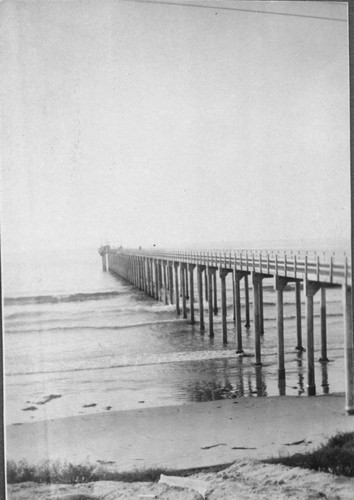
{"x": 170, "y": 276}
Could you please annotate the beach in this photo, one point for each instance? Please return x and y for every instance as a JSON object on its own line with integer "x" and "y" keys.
{"x": 191, "y": 436}
{"x": 98, "y": 372}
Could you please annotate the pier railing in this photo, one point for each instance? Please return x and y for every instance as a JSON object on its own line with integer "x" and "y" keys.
{"x": 325, "y": 267}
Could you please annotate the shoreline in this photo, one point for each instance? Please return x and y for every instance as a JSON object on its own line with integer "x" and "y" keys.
{"x": 181, "y": 437}
{"x": 186, "y": 380}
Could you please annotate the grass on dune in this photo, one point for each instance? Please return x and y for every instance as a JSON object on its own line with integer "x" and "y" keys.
{"x": 336, "y": 457}
{"x": 56, "y": 472}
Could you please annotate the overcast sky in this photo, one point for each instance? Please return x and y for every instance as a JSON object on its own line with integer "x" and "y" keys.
{"x": 145, "y": 123}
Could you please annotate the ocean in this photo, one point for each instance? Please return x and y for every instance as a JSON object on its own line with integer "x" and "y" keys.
{"x": 79, "y": 341}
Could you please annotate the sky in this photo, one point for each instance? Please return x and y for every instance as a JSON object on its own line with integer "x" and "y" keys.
{"x": 142, "y": 123}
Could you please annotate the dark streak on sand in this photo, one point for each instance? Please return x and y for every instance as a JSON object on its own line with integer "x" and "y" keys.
{"x": 212, "y": 446}
{"x": 49, "y": 398}
{"x": 30, "y": 408}
{"x": 297, "y": 442}
{"x": 89, "y": 406}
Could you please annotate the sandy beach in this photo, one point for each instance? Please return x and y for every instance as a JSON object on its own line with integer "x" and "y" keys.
{"x": 219, "y": 432}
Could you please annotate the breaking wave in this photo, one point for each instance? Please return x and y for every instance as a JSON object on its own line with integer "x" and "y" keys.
{"x": 54, "y": 299}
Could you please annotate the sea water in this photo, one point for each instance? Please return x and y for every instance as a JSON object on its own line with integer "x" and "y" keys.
{"x": 79, "y": 340}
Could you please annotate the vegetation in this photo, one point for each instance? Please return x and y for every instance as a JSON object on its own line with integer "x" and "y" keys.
{"x": 56, "y": 472}
{"x": 335, "y": 457}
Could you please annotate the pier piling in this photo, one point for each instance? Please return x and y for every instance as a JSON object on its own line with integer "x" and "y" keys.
{"x": 280, "y": 284}
{"x": 170, "y": 280}
{"x": 348, "y": 350}
{"x": 299, "y": 346}
{"x": 311, "y": 288}
{"x": 211, "y": 272}
{"x": 215, "y": 295}
{"x": 323, "y": 358}
{"x": 238, "y": 276}
{"x": 257, "y": 338}
{"x": 200, "y": 271}
{"x": 247, "y": 303}
{"x": 261, "y": 316}
{"x": 223, "y": 274}
{"x": 183, "y": 289}
{"x": 191, "y": 268}
{"x": 178, "y": 311}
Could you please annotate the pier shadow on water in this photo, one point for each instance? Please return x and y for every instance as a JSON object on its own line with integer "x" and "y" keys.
{"x": 232, "y": 379}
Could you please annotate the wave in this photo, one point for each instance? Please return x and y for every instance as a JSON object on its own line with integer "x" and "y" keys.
{"x": 54, "y": 299}
{"x": 96, "y": 327}
{"x": 19, "y": 327}
{"x": 268, "y": 355}
{"x": 50, "y": 316}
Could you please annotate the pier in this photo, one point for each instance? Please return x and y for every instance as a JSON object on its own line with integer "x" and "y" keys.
{"x": 181, "y": 278}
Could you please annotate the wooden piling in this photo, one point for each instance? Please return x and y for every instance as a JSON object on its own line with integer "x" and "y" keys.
{"x": 183, "y": 289}
{"x": 148, "y": 275}
{"x": 325, "y": 384}
{"x": 223, "y": 274}
{"x": 211, "y": 271}
{"x": 170, "y": 272}
{"x": 311, "y": 288}
{"x": 348, "y": 350}
{"x": 261, "y": 316}
{"x": 191, "y": 289}
{"x": 299, "y": 346}
{"x": 238, "y": 277}
{"x": 160, "y": 278}
{"x": 215, "y": 295}
{"x": 165, "y": 282}
{"x": 200, "y": 270}
{"x": 257, "y": 338}
{"x": 234, "y": 295}
{"x": 247, "y": 303}
{"x": 152, "y": 277}
{"x": 323, "y": 358}
{"x": 280, "y": 284}
{"x": 157, "y": 281}
{"x": 177, "y": 288}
